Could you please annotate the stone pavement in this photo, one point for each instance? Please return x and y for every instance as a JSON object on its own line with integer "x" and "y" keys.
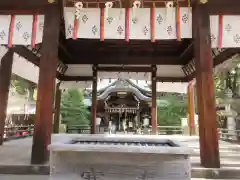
{"x": 15, "y": 158}
{"x": 31, "y": 177}
{"x": 18, "y": 152}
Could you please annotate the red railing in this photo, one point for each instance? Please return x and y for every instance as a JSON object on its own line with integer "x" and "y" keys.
{"x": 20, "y": 131}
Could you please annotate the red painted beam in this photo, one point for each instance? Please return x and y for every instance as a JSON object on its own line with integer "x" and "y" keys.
{"x": 46, "y": 87}
{"x": 208, "y": 136}
{"x": 5, "y": 79}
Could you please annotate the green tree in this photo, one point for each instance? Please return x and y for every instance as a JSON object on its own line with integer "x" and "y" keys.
{"x": 23, "y": 87}
{"x": 171, "y": 113}
{"x": 73, "y": 110}
{"x": 19, "y": 84}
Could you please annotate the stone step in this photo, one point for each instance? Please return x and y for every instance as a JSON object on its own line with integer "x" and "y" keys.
{"x": 45, "y": 177}
{"x": 225, "y": 162}
{"x": 231, "y": 147}
{"x": 223, "y": 153}
{"x": 31, "y": 170}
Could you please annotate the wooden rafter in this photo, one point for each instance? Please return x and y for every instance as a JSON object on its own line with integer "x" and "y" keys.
{"x": 118, "y": 60}
{"x": 187, "y": 54}
{"x": 220, "y": 58}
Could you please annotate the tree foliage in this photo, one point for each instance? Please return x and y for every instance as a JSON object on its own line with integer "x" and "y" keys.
{"x": 20, "y": 85}
{"x": 73, "y": 110}
{"x": 172, "y": 112}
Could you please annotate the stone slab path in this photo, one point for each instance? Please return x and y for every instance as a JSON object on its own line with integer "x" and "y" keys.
{"x": 18, "y": 152}
{"x": 31, "y": 177}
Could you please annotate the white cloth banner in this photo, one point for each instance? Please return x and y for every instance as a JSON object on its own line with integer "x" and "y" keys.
{"x": 22, "y": 29}
{"x": 140, "y": 25}
{"x": 4, "y": 28}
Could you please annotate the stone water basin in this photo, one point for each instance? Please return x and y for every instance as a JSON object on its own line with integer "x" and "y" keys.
{"x": 119, "y": 157}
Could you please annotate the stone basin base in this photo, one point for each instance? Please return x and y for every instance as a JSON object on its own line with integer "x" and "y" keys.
{"x": 118, "y": 162}
{"x": 119, "y": 166}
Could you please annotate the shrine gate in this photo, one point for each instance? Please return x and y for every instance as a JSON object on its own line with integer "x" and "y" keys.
{"x": 76, "y": 42}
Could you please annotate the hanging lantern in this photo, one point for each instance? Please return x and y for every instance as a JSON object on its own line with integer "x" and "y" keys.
{"x": 145, "y": 121}
{"x": 98, "y": 121}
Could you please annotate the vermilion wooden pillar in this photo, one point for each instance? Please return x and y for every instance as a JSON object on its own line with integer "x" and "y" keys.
{"x": 5, "y": 79}
{"x": 57, "y": 109}
{"x": 209, "y": 150}
{"x": 94, "y": 101}
{"x": 46, "y": 86}
{"x": 154, "y": 100}
{"x": 191, "y": 109}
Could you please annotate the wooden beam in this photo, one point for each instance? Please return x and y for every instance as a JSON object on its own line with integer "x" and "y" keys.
{"x": 209, "y": 147}
{"x": 219, "y": 59}
{"x": 172, "y": 79}
{"x": 221, "y": 7}
{"x": 154, "y": 100}
{"x": 46, "y": 86}
{"x": 23, "y": 6}
{"x": 101, "y": 59}
{"x": 5, "y": 79}
{"x": 27, "y": 54}
{"x": 94, "y": 101}
{"x": 126, "y": 59}
{"x": 127, "y": 3}
{"x": 90, "y": 78}
{"x": 187, "y": 54}
{"x": 225, "y": 55}
{"x": 124, "y": 69}
{"x": 191, "y": 109}
{"x": 75, "y": 78}
{"x": 58, "y": 94}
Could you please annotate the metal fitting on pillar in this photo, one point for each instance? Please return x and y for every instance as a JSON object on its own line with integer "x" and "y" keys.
{"x": 51, "y": 1}
{"x": 203, "y": 1}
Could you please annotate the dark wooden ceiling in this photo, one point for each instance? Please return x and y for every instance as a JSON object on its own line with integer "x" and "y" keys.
{"x": 86, "y": 51}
